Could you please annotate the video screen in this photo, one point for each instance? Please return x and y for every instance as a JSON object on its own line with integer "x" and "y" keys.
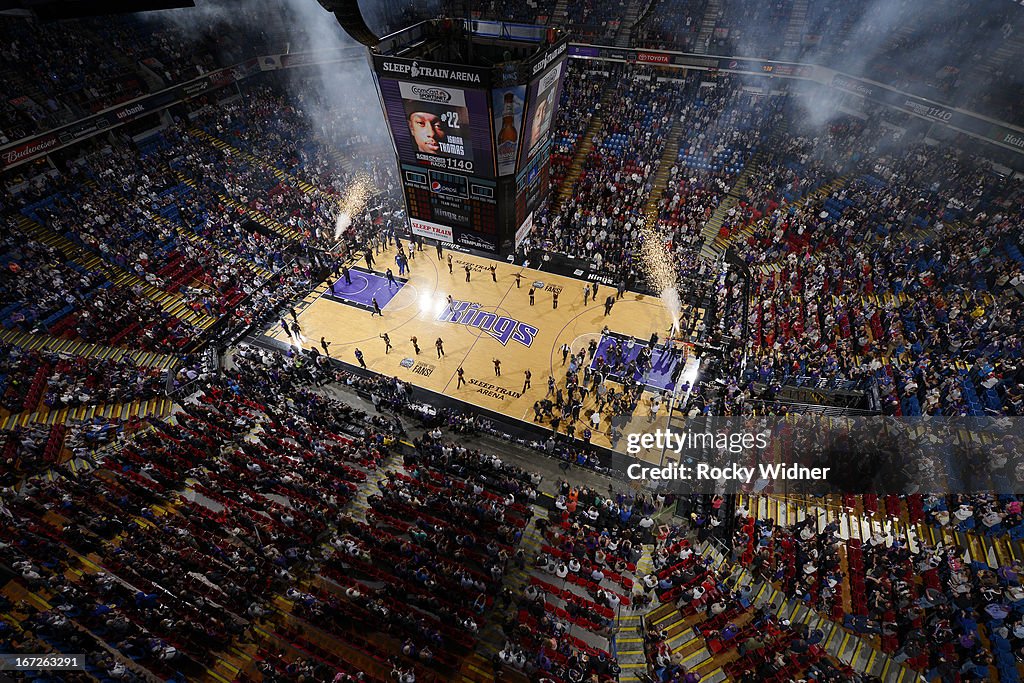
{"x": 438, "y": 123}
{"x": 543, "y": 104}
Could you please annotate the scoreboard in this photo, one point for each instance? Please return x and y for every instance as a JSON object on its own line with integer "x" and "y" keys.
{"x": 453, "y": 207}
{"x": 472, "y": 143}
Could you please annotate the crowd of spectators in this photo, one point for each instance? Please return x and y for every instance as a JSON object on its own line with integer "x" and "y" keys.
{"x": 821, "y": 311}
{"x": 581, "y": 99}
{"x": 583, "y": 578}
{"x": 31, "y": 379}
{"x": 892, "y": 267}
{"x": 669, "y": 25}
{"x": 929, "y": 607}
{"x": 219, "y": 229}
{"x": 879, "y": 282}
{"x": 593, "y": 21}
{"x": 178, "y": 585}
{"x": 603, "y": 215}
{"x": 57, "y": 72}
{"x": 750, "y": 28}
{"x": 197, "y": 524}
{"x": 935, "y": 50}
{"x": 529, "y": 12}
{"x": 50, "y": 292}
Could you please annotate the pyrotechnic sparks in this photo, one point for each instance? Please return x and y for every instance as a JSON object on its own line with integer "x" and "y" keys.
{"x": 341, "y": 224}
{"x": 352, "y": 203}
{"x": 660, "y": 273}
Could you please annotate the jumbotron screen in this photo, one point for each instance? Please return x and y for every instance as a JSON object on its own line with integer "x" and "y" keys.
{"x": 438, "y": 127}
{"x": 544, "y": 94}
{"x": 443, "y": 139}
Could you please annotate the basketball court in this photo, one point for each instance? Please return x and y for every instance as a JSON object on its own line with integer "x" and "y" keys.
{"x": 488, "y": 318}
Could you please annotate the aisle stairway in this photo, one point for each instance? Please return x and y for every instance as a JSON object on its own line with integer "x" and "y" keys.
{"x": 586, "y": 146}
{"x": 257, "y": 216}
{"x": 661, "y": 175}
{"x": 717, "y": 244}
{"x": 629, "y": 642}
{"x": 159, "y": 407}
{"x": 627, "y": 23}
{"x": 707, "y": 26}
{"x": 712, "y": 246}
{"x": 795, "y": 29}
{"x": 846, "y": 646}
{"x": 559, "y": 15}
{"x": 281, "y": 175}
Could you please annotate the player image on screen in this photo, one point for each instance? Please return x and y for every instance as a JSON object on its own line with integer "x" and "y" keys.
{"x": 427, "y": 131}
{"x": 438, "y": 122}
{"x": 542, "y": 118}
{"x": 546, "y": 93}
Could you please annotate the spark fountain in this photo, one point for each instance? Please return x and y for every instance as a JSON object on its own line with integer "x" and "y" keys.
{"x": 352, "y": 203}
{"x": 661, "y": 274}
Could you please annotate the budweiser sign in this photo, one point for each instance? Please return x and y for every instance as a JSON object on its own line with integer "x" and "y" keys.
{"x": 10, "y": 157}
{"x": 653, "y": 58}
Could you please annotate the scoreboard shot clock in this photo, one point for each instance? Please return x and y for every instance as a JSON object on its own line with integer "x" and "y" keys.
{"x": 469, "y": 106}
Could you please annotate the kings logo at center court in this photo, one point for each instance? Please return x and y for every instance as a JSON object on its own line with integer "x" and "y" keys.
{"x": 501, "y": 327}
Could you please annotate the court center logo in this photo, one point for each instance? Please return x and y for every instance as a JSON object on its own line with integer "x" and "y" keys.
{"x": 501, "y": 327}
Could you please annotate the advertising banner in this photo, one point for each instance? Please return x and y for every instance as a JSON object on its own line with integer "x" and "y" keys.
{"x": 29, "y": 150}
{"x": 433, "y": 72}
{"x": 508, "y": 105}
{"x": 584, "y": 51}
{"x": 965, "y": 121}
{"x": 654, "y": 57}
{"x": 431, "y": 230}
{"x": 84, "y": 128}
{"x": 524, "y": 230}
{"x": 474, "y": 240}
{"x": 540, "y": 62}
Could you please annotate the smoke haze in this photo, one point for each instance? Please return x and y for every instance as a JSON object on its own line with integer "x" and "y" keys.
{"x": 338, "y": 98}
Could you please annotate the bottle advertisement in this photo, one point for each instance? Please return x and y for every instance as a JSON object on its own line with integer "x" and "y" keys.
{"x": 508, "y": 125}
